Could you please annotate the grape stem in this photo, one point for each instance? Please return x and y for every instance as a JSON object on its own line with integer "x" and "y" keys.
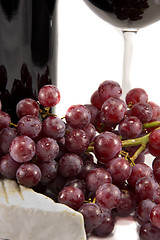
{"x": 13, "y": 125}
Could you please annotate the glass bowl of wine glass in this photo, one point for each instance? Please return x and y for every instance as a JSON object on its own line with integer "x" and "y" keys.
{"x": 129, "y": 16}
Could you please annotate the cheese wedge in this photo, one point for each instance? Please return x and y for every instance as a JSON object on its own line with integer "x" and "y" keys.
{"x": 27, "y": 215}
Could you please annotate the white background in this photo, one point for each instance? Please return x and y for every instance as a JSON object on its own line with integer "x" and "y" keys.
{"x": 91, "y": 51}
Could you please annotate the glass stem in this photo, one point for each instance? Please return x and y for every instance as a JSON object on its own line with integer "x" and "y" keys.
{"x": 129, "y": 42}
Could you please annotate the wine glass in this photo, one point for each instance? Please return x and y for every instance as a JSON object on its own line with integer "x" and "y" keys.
{"x": 129, "y": 16}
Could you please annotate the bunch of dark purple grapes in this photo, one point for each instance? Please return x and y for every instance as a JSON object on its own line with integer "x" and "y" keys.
{"x": 93, "y": 159}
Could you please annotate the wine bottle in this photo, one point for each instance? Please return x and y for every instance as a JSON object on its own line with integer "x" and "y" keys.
{"x": 28, "y": 49}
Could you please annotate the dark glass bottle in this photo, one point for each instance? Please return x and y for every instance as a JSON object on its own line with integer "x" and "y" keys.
{"x": 28, "y": 49}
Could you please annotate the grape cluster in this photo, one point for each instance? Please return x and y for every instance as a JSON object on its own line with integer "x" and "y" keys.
{"x": 92, "y": 159}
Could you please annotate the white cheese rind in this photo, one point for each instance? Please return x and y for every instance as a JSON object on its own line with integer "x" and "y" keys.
{"x": 27, "y": 215}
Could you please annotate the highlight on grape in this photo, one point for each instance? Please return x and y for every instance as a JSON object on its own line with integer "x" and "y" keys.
{"x": 93, "y": 159}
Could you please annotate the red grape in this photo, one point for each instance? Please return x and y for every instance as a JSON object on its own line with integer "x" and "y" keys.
{"x": 96, "y": 100}
{"x": 107, "y": 225}
{"x": 78, "y": 116}
{"x": 130, "y": 127}
{"x": 92, "y": 216}
{"x": 156, "y": 110}
{"x": 109, "y": 89}
{"x": 77, "y": 141}
{"x": 27, "y": 106}
{"x": 94, "y": 113}
{"x": 143, "y": 111}
{"x": 113, "y": 110}
{"x": 108, "y": 196}
{"x": 136, "y": 95}
{"x": 5, "y": 120}
{"x": 119, "y": 169}
{"x": 53, "y": 127}
{"x": 154, "y": 139}
{"x": 155, "y": 216}
{"x": 46, "y": 149}
{"x": 30, "y": 126}
{"x": 48, "y": 170}
{"x": 22, "y": 149}
{"x": 8, "y": 167}
{"x": 6, "y": 137}
{"x": 49, "y": 96}
{"x": 72, "y": 197}
{"x": 107, "y": 145}
{"x": 145, "y": 187}
{"x": 143, "y": 210}
{"x": 70, "y": 165}
{"x": 28, "y": 174}
{"x": 126, "y": 205}
{"x": 148, "y": 231}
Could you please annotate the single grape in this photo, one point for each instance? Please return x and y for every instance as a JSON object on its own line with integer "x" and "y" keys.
{"x": 70, "y": 165}
{"x": 27, "y": 106}
{"x": 28, "y": 174}
{"x": 46, "y": 149}
{"x": 155, "y": 216}
{"x": 48, "y": 170}
{"x": 156, "y": 196}
{"x": 22, "y": 149}
{"x": 30, "y": 126}
{"x": 8, "y": 167}
{"x": 154, "y": 139}
{"x": 143, "y": 111}
{"x": 72, "y": 197}
{"x": 107, "y": 225}
{"x": 96, "y": 100}
{"x": 53, "y": 127}
{"x": 6, "y": 137}
{"x": 145, "y": 187}
{"x": 120, "y": 169}
{"x": 90, "y": 131}
{"x": 97, "y": 177}
{"x": 143, "y": 211}
{"x": 77, "y": 141}
{"x": 5, "y": 120}
{"x": 156, "y": 170}
{"x": 113, "y": 110}
{"x": 148, "y": 231}
{"x": 138, "y": 171}
{"x": 94, "y": 113}
{"x": 49, "y": 96}
{"x": 0, "y": 105}
{"x": 108, "y": 196}
{"x": 130, "y": 127}
{"x": 153, "y": 151}
{"x": 107, "y": 146}
{"x": 156, "y": 110}
{"x": 109, "y": 89}
{"x": 136, "y": 95}
{"x": 92, "y": 216}
{"x": 78, "y": 116}
{"x": 127, "y": 204}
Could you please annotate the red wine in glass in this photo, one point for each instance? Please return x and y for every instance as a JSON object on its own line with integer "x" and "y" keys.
{"x": 129, "y": 16}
